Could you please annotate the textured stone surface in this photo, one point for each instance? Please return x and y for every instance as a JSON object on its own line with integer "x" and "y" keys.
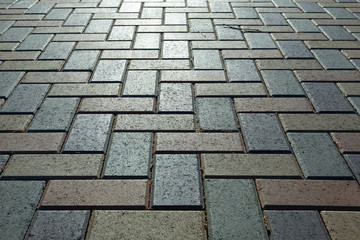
{"x": 259, "y": 41}
{"x": 140, "y": 83}
{"x": 347, "y": 142}
{"x": 57, "y": 50}
{"x": 242, "y": 71}
{"x": 3, "y": 161}
{"x": 31, "y": 65}
{"x": 15, "y": 34}
{"x": 193, "y": 76}
{"x": 332, "y": 59}
{"x": 35, "y": 42}
{"x": 11, "y": 123}
{"x": 282, "y": 83}
{"x": 176, "y": 97}
{"x": 353, "y": 160}
{"x": 327, "y": 76}
{"x": 82, "y": 60}
{"x": 342, "y": 225}
{"x": 272, "y": 105}
{"x": 85, "y": 90}
{"x": 8, "y": 81}
{"x": 229, "y": 89}
{"x": 109, "y": 71}
{"x": 117, "y": 105}
{"x": 294, "y": 49}
{"x": 349, "y": 89}
{"x": 56, "y": 77}
{"x": 207, "y": 59}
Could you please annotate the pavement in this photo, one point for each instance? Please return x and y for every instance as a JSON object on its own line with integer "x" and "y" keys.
{"x": 179, "y": 119}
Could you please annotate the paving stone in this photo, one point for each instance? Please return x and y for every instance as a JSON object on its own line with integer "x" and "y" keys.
{"x": 3, "y": 161}
{"x": 58, "y": 14}
{"x": 298, "y": 36}
{"x": 31, "y": 65}
{"x": 216, "y": 114}
{"x": 245, "y": 22}
{"x": 151, "y": 13}
{"x": 185, "y": 191}
{"x": 285, "y": 224}
{"x": 339, "y": 13}
{"x": 18, "y": 203}
{"x": 245, "y": 13}
{"x": 132, "y": 54}
{"x": 303, "y": 25}
{"x": 109, "y": 71}
{"x": 59, "y": 224}
{"x": 77, "y": 19}
{"x": 5, "y": 25}
{"x": 56, "y": 77}
{"x": 332, "y": 44}
{"x": 15, "y": 34}
{"x": 104, "y": 46}
{"x": 355, "y": 101}
{"x": 198, "y": 142}
{"x": 219, "y": 7}
{"x": 155, "y": 122}
{"x": 129, "y": 155}
{"x": 159, "y": 64}
{"x": 353, "y": 160}
{"x": 233, "y": 210}
{"x": 58, "y": 30}
{"x": 189, "y": 36}
{"x": 175, "y": 18}
{"x": 259, "y": 41}
{"x": 99, "y": 26}
{"x": 250, "y": 165}
{"x": 8, "y": 46}
{"x": 85, "y": 90}
{"x": 219, "y": 45}
{"x": 193, "y": 76}
{"x": 252, "y": 54}
{"x": 117, "y": 105}
{"x": 242, "y": 71}
{"x": 294, "y": 49}
{"x": 227, "y": 33}
{"x": 14, "y": 123}
{"x": 201, "y": 25}
{"x": 229, "y": 90}
{"x": 207, "y": 59}
{"x": 308, "y": 194}
{"x": 147, "y": 41}
{"x": 336, "y": 33}
{"x": 153, "y": 225}
{"x": 336, "y": 22}
{"x": 281, "y": 83}
{"x": 350, "y": 89}
{"x": 347, "y": 142}
{"x": 26, "y": 23}
{"x": 137, "y": 22}
{"x": 21, "y": 17}
{"x": 89, "y": 133}
{"x": 24, "y": 4}
{"x": 332, "y": 59}
{"x": 110, "y": 3}
{"x": 79, "y": 37}
{"x": 356, "y": 63}
{"x": 287, "y": 64}
{"x": 310, "y": 7}
{"x": 175, "y": 50}
{"x": 95, "y": 194}
{"x": 272, "y": 105}
{"x": 41, "y": 8}
{"x": 163, "y": 29}
{"x": 283, "y": 3}
{"x": 327, "y": 76}
{"x": 25, "y": 98}
{"x": 1, "y": 102}
{"x": 52, "y": 166}
{"x": 175, "y": 97}
{"x": 82, "y": 60}
{"x": 140, "y": 83}
{"x": 8, "y": 81}
{"x": 273, "y": 19}
{"x": 318, "y": 156}
{"x": 21, "y": 55}
{"x": 342, "y": 225}
{"x": 130, "y": 7}
{"x": 57, "y": 50}
{"x": 267, "y": 29}
{"x": 262, "y": 132}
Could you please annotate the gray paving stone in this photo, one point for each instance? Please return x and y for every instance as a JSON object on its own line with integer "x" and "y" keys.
{"x": 18, "y": 201}
{"x": 15, "y": 34}
{"x": 176, "y": 97}
{"x": 3, "y": 161}
{"x": 82, "y": 60}
{"x": 263, "y": 133}
{"x": 318, "y": 156}
{"x": 30, "y": 65}
{"x": 356, "y": 63}
{"x": 193, "y": 76}
{"x": 130, "y": 7}
{"x": 14, "y": 123}
{"x": 87, "y": 37}
{"x": 147, "y": 41}
{"x": 5, "y": 25}
{"x": 207, "y": 59}
{"x": 35, "y": 42}
{"x": 245, "y": 13}
{"x": 78, "y": 19}
{"x": 332, "y": 59}
{"x": 233, "y": 209}
{"x": 55, "y": 114}
{"x": 294, "y": 49}
{"x": 59, "y": 225}
{"x": 129, "y": 155}
{"x": 283, "y": 3}
{"x": 229, "y": 90}
{"x": 220, "y": 7}
{"x": 177, "y": 182}
{"x": 310, "y": 7}
{"x": 58, "y": 30}
{"x": 99, "y": 26}
{"x": 89, "y": 133}
{"x": 56, "y": 77}
{"x": 336, "y": 33}
{"x": 152, "y": 13}
{"x": 8, "y": 81}
{"x": 219, "y": 45}
{"x": 273, "y": 19}
{"x": 303, "y": 25}
{"x": 242, "y": 71}
{"x": 57, "y": 51}
{"x": 353, "y": 160}
{"x": 122, "y": 33}
{"x": 110, "y": 3}
{"x": 109, "y": 71}
{"x": 175, "y": 18}
{"x": 327, "y": 98}
{"x": 23, "y": 4}
{"x": 41, "y": 8}
{"x": 227, "y": 33}
{"x": 58, "y": 14}
{"x": 339, "y": 13}
{"x": 296, "y": 225}
{"x": 260, "y": 41}
{"x": 26, "y": 98}
{"x": 201, "y": 25}
{"x": 355, "y": 101}
{"x": 140, "y": 83}
{"x": 175, "y": 50}
{"x": 216, "y": 114}
{"x": 282, "y": 83}
{"x": 85, "y": 90}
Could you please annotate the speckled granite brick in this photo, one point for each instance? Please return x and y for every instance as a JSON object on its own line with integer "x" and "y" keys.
{"x": 342, "y": 224}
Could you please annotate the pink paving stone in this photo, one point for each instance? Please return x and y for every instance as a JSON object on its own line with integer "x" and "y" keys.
{"x": 308, "y": 194}
{"x": 327, "y": 76}
{"x": 31, "y": 142}
{"x": 347, "y": 142}
{"x": 272, "y": 105}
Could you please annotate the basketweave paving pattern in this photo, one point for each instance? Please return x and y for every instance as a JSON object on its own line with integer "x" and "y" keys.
{"x": 179, "y": 119}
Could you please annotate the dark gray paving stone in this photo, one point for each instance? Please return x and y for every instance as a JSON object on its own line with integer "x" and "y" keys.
{"x": 5, "y": 25}
{"x": 233, "y": 210}
{"x": 55, "y": 114}
{"x": 8, "y": 81}
{"x": 35, "y": 42}
{"x": 57, "y": 51}
{"x": 339, "y": 13}
{"x": 89, "y": 133}
{"x": 53, "y": 225}
{"x": 295, "y": 225}
{"x": 242, "y": 71}
{"x": 332, "y": 59}
{"x": 15, "y": 34}
{"x": 122, "y": 33}
{"x": 58, "y": 14}
{"x": 41, "y": 8}
{"x": 207, "y": 59}
{"x": 355, "y": 101}
{"x": 227, "y": 33}
{"x": 99, "y": 26}
{"x": 3, "y": 161}
{"x": 336, "y": 33}
{"x": 310, "y": 7}
{"x": 177, "y": 182}
{"x": 242, "y": 13}
{"x": 26, "y": 98}
{"x": 18, "y": 201}
{"x": 263, "y": 133}
{"x": 109, "y": 71}
{"x": 129, "y": 155}
{"x": 327, "y": 98}
{"x": 294, "y": 49}
{"x": 303, "y": 25}
{"x": 201, "y": 25}
{"x": 318, "y": 156}
{"x": 77, "y": 19}
{"x": 273, "y": 19}
{"x": 176, "y": 97}
{"x": 260, "y": 41}
{"x": 282, "y": 83}
{"x": 82, "y": 60}
{"x": 140, "y": 83}
{"x": 353, "y": 161}
{"x": 216, "y": 114}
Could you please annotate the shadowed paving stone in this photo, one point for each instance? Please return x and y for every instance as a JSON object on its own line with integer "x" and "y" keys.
{"x": 242, "y": 71}
{"x": 109, "y": 71}
{"x": 347, "y": 142}
{"x": 14, "y": 122}
{"x": 177, "y": 182}
{"x": 336, "y": 33}
{"x": 233, "y": 210}
{"x": 176, "y": 97}
{"x": 350, "y": 89}
{"x": 95, "y": 194}
{"x": 263, "y": 132}
{"x": 56, "y": 77}
{"x": 55, "y": 114}
{"x": 207, "y": 59}
{"x": 117, "y": 105}
{"x": 82, "y": 60}
{"x": 296, "y": 225}
{"x": 303, "y": 25}
{"x": 294, "y": 49}
{"x": 59, "y": 225}
{"x": 193, "y": 76}
{"x": 129, "y": 155}
{"x": 308, "y": 194}
{"x": 160, "y": 225}
{"x": 50, "y": 166}
{"x": 318, "y": 157}
{"x": 250, "y": 165}
{"x": 89, "y": 133}
{"x": 353, "y": 160}
{"x": 155, "y": 122}
{"x": 327, "y": 76}
{"x": 18, "y": 201}
{"x": 57, "y": 50}
{"x": 3, "y": 161}
{"x": 85, "y": 90}
{"x": 342, "y": 225}
{"x": 15, "y": 34}
{"x": 35, "y": 42}
{"x": 332, "y": 59}
{"x": 198, "y": 142}
{"x": 272, "y": 105}
{"x": 260, "y": 41}
{"x": 8, "y": 81}
{"x": 140, "y": 83}
{"x": 31, "y": 65}
{"x": 230, "y": 89}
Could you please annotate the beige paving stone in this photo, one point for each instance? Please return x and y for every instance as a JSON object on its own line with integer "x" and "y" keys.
{"x": 117, "y": 105}
{"x": 8, "y": 46}
{"x": 193, "y": 76}
{"x": 189, "y": 36}
{"x": 352, "y": 28}
{"x": 287, "y": 64}
{"x": 336, "y": 22}
{"x": 210, "y": 15}
{"x": 30, "y": 55}
{"x": 298, "y": 36}
{"x": 29, "y": 17}
{"x": 31, "y": 65}
{"x": 2, "y": 101}
{"x": 160, "y": 29}
{"x": 79, "y": 37}
{"x": 242, "y": 22}
{"x": 115, "y": 16}
{"x": 281, "y": 10}
{"x": 104, "y": 45}
{"x": 350, "y": 89}
{"x": 59, "y": 30}
{"x": 265, "y": 29}
{"x": 159, "y": 64}
{"x": 85, "y": 90}
{"x": 347, "y": 142}
{"x": 332, "y": 44}
{"x": 307, "y": 15}
{"x": 219, "y": 45}
{"x": 351, "y": 53}
{"x": 252, "y": 54}
{"x": 137, "y": 22}
{"x": 229, "y": 89}
{"x": 18, "y": 123}
{"x": 38, "y": 23}
{"x": 272, "y": 105}
{"x": 327, "y": 76}
{"x": 56, "y": 77}
{"x": 342, "y": 224}
{"x": 130, "y": 54}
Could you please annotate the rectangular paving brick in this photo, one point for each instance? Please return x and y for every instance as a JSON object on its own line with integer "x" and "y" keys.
{"x": 31, "y": 142}
{"x": 308, "y": 194}
{"x": 129, "y": 155}
{"x": 14, "y": 123}
{"x": 158, "y": 64}
{"x": 15, "y": 34}
{"x": 122, "y": 33}
{"x": 193, "y": 76}
{"x": 35, "y": 42}
{"x": 226, "y": 33}
{"x": 131, "y": 54}
{"x": 347, "y": 142}
{"x": 9, "y": 46}
{"x": 292, "y": 64}
{"x": 252, "y": 54}
{"x": 341, "y": 225}
{"x": 58, "y": 14}
{"x": 198, "y": 142}
{"x": 351, "y": 53}
{"x": 200, "y": 25}
{"x": 225, "y": 199}
{"x": 140, "y": 83}
{"x": 82, "y": 60}
{"x": 85, "y": 90}
{"x": 353, "y": 160}
{"x": 95, "y": 194}
{"x": 272, "y": 105}
{"x": 282, "y": 83}
{"x": 162, "y": 29}
{"x": 219, "y": 45}
{"x": 5, "y": 25}
{"x": 332, "y": 59}
{"x": 103, "y": 45}
{"x": 349, "y": 89}
{"x": 117, "y": 105}
{"x": 27, "y": 23}
{"x": 207, "y": 59}
{"x": 273, "y": 19}
{"x": 52, "y": 166}
{"x": 56, "y": 77}
{"x": 229, "y": 90}
{"x": 40, "y": 8}
{"x": 303, "y": 26}
{"x": 327, "y": 76}
{"x": 31, "y": 55}
{"x": 176, "y": 97}
{"x": 79, "y": 37}
{"x": 57, "y": 50}
{"x": 99, "y": 26}
{"x": 58, "y": 30}
{"x": 318, "y": 157}
{"x": 242, "y": 71}
{"x": 189, "y": 36}
{"x": 260, "y": 41}
{"x": 8, "y": 81}
{"x": 78, "y": 19}
{"x": 177, "y": 182}
{"x": 298, "y": 36}
{"x": 151, "y": 13}
{"x": 336, "y": 33}
{"x": 109, "y": 71}
{"x": 31, "y": 65}
{"x": 250, "y": 165}
{"x": 332, "y": 44}
{"x": 294, "y": 49}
